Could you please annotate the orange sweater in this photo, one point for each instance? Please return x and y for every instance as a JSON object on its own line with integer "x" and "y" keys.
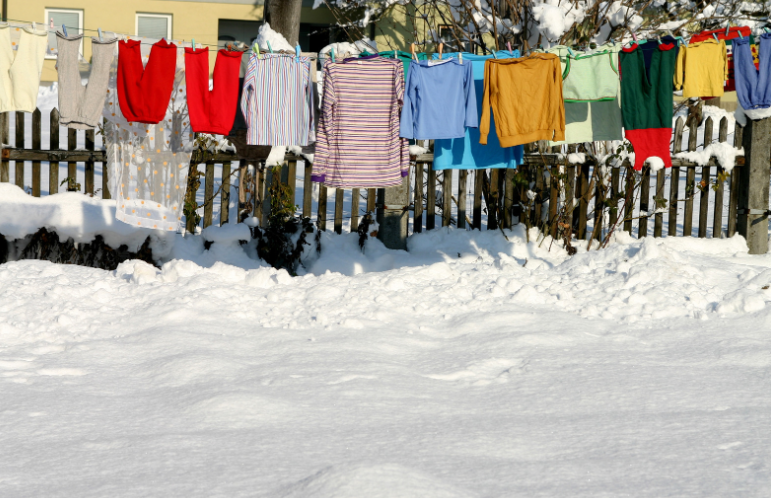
{"x": 526, "y": 97}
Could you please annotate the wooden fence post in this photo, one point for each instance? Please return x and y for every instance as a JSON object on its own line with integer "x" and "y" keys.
{"x": 392, "y": 215}
{"x": 36, "y": 132}
{"x": 4, "y": 164}
{"x": 53, "y": 166}
{"x": 754, "y": 179}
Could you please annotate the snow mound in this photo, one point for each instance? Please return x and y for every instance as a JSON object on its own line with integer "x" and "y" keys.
{"x": 266, "y": 35}
{"x": 656, "y": 163}
{"x": 372, "y": 481}
{"x": 724, "y": 152}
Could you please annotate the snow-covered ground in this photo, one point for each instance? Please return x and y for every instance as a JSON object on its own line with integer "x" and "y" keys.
{"x": 470, "y": 366}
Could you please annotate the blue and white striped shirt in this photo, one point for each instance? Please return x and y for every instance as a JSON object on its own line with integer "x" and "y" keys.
{"x": 277, "y": 100}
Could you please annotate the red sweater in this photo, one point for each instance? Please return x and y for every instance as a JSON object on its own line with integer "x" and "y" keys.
{"x": 212, "y": 111}
{"x": 144, "y": 92}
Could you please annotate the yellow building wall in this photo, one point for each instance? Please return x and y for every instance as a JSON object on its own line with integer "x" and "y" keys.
{"x": 199, "y": 20}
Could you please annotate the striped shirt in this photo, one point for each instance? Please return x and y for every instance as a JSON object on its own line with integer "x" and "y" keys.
{"x": 358, "y": 143}
{"x": 277, "y": 100}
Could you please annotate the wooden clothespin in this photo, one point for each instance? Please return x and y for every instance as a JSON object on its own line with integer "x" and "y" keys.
{"x": 441, "y": 48}
{"x": 412, "y": 49}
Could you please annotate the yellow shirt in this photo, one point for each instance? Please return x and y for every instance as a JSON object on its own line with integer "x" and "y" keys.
{"x": 526, "y": 98}
{"x": 702, "y": 69}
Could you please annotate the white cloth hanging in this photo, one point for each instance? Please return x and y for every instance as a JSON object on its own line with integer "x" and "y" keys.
{"x": 148, "y": 164}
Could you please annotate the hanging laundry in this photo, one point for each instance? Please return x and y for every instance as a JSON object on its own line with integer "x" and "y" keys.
{"x": 466, "y": 152}
{"x": 526, "y": 97}
{"x": 650, "y": 47}
{"x": 647, "y": 101}
{"x": 358, "y": 135}
{"x": 702, "y": 69}
{"x": 212, "y": 111}
{"x": 405, "y": 57}
{"x": 277, "y": 100}
{"x": 81, "y": 107}
{"x": 148, "y": 163}
{"x": 439, "y": 100}
{"x": 144, "y": 91}
{"x": 733, "y": 33}
{"x": 591, "y": 89}
{"x": 20, "y": 70}
{"x": 753, "y": 87}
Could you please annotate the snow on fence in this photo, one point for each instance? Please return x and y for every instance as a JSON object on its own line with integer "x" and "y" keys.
{"x": 535, "y": 194}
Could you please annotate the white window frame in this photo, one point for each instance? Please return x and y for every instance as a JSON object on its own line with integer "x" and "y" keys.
{"x": 152, "y": 14}
{"x": 47, "y": 20}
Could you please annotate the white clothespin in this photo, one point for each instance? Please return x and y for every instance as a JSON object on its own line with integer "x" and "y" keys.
{"x": 460, "y": 58}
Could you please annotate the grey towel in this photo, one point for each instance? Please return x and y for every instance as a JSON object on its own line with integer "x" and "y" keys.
{"x": 81, "y": 106}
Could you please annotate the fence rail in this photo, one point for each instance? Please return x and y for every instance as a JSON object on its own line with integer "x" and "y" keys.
{"x": 537, "y": 193}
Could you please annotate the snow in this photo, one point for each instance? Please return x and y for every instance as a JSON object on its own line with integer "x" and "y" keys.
{"x": 267, "y": 35}
{"x": 724, "y": 152}
{"x": 742, "y": 114}
{"x": 656, "y": 163}
{"x": 470, "y": 366}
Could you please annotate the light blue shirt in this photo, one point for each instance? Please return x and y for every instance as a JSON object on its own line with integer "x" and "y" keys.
{"x": 467, "y": 152}
{"x": 439, "y": 100}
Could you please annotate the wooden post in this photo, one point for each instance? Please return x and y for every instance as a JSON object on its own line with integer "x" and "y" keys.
{"x": 291, "y": 178}
{"x": 322, "y": 214}
{"x": 417, "y": 218}
{"x": 19, "y": 166}
{"x": 752, "y": 221}
{"x": 690, "y": 187}
{"x": 614, "y": 183}
{"x": 659, "y": 217}
{"x": 208, "y": 195}
{"x": 371, "y": 198}
{"x": 258, "y": 191}
{"x": 90, "y": 163}
{"x": 270, "y": 177}
{"x": 53, "y": 166}
{"x": 645, "y": 198}
{"x": 583, "y": 203}
{"x": 308, "y": 191}
{"x": 492, "y": 200}
{"x": 36, "y": 132}
{"x": 355, "y": 194}
{"x": 431, "y": 200}
{"x": 338, "y": 222}
{"x": 674, "y": 179}
{"x": 105, "y": 172}
{"x": 446, "y": 197}
{"x": 478, "y": 185}
{"x": 462, "y": 188}
{"x": 4, "y": 127}
{"x": 553, "y": 198}
{"x": 706, "y": 187}
{"x": 717, "y": 219}
{"x": 72, "y": 166}
{"x": 393, "y": 214}
{"x": 539, "y": 188}
{"x": 733, "y": 194}
{"x": 628, "y": 196}
{"x": 571, "y": 217}
{"x": 225, "y": 194}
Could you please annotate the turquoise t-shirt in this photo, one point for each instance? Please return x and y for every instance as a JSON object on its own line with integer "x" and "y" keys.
{"x": 467, "y": 152}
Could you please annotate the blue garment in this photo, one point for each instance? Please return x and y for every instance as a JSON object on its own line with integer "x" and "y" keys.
{"x": 467, "y": 152}
{"x": 753, "y": 88}
{"x": 439, "y": 100}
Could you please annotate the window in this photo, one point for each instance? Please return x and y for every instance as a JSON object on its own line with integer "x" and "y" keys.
{"x": 71, "y": 18}
{"x": 154, "y": 26}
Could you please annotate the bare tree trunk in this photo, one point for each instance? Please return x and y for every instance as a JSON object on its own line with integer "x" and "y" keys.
{"x": 284, "y": 17}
